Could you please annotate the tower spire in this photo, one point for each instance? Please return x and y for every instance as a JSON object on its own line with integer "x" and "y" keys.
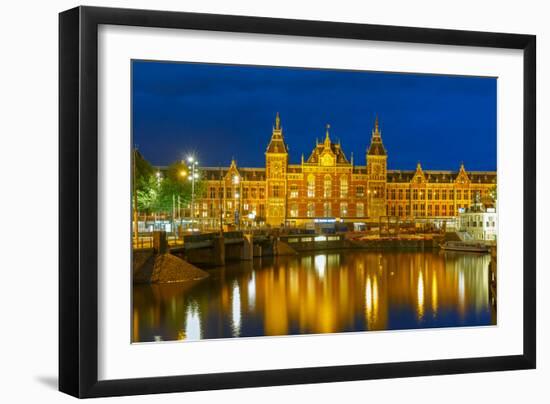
{"x": 277, "y": 143}
{"x": 376, "y": 146}
{"x": 327, "y": 136}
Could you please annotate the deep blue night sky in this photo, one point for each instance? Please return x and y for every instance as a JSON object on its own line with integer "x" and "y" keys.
{"x": 221, "y": 111}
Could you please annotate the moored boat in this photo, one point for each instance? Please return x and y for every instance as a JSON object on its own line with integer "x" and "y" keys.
{"x": 477, "y": 247}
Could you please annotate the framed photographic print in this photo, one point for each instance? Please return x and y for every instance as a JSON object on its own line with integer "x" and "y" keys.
{"x": 251, "y": 201}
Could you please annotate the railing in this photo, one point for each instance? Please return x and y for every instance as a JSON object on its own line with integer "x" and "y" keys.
{"x": 311, "y": 238}
{"x": 144, "y": 241}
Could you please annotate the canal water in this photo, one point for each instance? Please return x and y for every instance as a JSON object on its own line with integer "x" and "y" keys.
{"x": 320, "y": 292}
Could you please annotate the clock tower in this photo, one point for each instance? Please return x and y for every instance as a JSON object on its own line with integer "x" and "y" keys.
{"x": 376, "y": 175}
{"x": 276, "y": 162}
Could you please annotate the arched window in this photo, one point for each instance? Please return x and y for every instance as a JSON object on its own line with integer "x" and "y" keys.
{"x": 327, "y": 187}
{"x": 310, "y": 209}
{"x": 311, "y": 186}
{"x": 343, "y": 186}
{"x": 327, "y": 209}
{"x": 343, "y": 209}
{"x": 360, "y": 209}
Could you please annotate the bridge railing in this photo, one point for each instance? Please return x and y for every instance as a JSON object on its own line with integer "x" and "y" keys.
{"x": 311, "y": 238}
{"x": 144, "y": 241}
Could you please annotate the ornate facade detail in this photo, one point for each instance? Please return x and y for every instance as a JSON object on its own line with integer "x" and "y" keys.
{"x": 328, "y": 185}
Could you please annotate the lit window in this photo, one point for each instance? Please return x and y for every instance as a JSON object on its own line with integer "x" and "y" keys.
{"x": 327, "y": 209}
{"x": 343, "y": 187}
{"x": 343, "y": 209}
{"x": 311, "y": 186}
{"x": 310, "y": 209}
{"x": 294, "y": 191}
{"x": 327, "y": 188}
{"x": 294, "y": 210}
{"x": 360, "y": 209}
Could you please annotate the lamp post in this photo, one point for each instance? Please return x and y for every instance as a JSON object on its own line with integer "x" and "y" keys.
{"x": 192, "y": 178}
{"x": 236, "y": 181}
{"x": 183, "y": 174}
{"x": 158, "y": 190}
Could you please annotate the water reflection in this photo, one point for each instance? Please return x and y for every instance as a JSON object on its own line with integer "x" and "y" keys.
{"x": 236, "y": 309}
{"x": 420, "y": 296}
{"x": 319, "y": 293}
{"x": 192, "y": 323}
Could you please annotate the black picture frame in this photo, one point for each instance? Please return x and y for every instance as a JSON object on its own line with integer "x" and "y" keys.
{"x": 78, "y": 201}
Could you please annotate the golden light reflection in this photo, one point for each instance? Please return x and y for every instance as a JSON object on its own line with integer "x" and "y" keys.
{"x": 321, "y": 265}
{"x": 375, "y": 300}
{"x": 420, "y": 296}
{"x": 461, "y": 293}
{"x": 317, "y": 293}
{"x": 368, "y": 301}
{"x": 236, "y": 309}
{"x": 192, "y": 323}
{"x": 434, "y": 295}
{"x": 135, "y": 326}
{"x": 252, "y": 292}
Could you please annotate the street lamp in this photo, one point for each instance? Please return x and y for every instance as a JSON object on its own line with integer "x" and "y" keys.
{"x": 159, "y": 177}
{"x": 236, "y": 181}
{"x": 194, "y": 175}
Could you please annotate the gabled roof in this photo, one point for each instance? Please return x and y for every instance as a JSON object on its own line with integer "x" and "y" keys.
{"x": 335, "y": 149}
{"x": 221, "y": 173}
{"x": 376, "y": 147}
{"x": 443, "y": 176}
{"x": 277, "y": 143}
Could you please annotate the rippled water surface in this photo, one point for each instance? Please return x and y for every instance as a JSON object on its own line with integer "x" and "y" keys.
{"x": 319, "y": 293}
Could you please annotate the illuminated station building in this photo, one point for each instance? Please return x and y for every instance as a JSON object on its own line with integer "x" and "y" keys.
{"x": 328, "y": 187}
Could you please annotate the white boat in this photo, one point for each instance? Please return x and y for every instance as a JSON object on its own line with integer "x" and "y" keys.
{"x": 471, "y": 246}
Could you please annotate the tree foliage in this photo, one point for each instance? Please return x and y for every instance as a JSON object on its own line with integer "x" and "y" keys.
{"x": 158, "y": 189}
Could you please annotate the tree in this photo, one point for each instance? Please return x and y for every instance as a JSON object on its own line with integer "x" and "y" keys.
{"x": 148, "y": 195}
{"x": 146, "y": 185}
{"x": 156, "y": 191}
{"x": 177, "y": 184}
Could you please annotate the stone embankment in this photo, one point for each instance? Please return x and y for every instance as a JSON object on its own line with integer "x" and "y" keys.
{"x": 149, "y": 267}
